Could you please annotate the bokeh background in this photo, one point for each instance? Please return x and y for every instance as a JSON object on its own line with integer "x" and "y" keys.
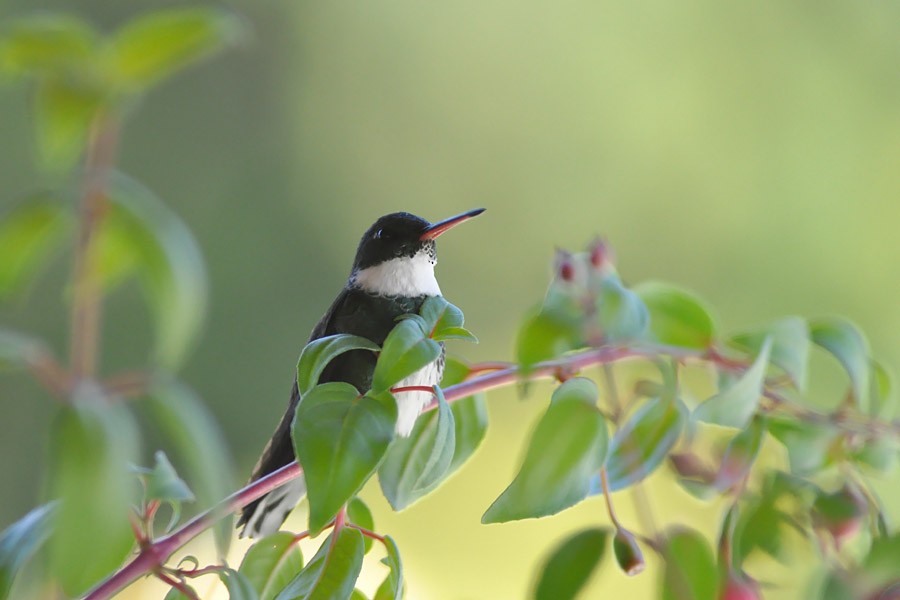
{"x": 749, "y": 151}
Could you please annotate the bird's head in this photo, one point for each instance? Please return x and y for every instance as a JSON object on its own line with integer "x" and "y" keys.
{"x": 396, "y": 255}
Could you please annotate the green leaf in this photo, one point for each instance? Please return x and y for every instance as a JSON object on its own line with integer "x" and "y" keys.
{"x": 406, "y": 350}
{"x": 439, "y": 314}
{"x": 581, "y": 389}
{"x": 21, "y": 540}
{"x": 358, "y": 595}
{"x": 882, "y": 391}
{"x": 621, "y": 314}
{"x": 340, "y": 439}
{"x": 168, "y": 263}
{"x": 455, "y": 333}
{"x": 359, "y": 514}
{"x": 392, "y": 587}
{"x": 761, "y": 526}
{"x": 417, "y": 464}
{"x": 740, "y": 454}
{"x": 444, "y": 321}
{"x": 469, "y": 415}
{"x": 677, "y": 317}
{"x": 332, "y": 572}
{"x": 44, "y": 44}
{"x": 846, "y": 342}
{"x": 272, "y": 563}
{"x": 690, "y": 572}
{"x": 161, "y": 43}
{"x": 92, "y": 444}
{"x": 879, "y": 453}
{"x": 881, "y": 564}
{"x": 175, "y": 594}
{"x": 838, "y": 507}
{"x": 567, "y": 448}
{"x": 736, "y": 405}
{"x": 571, "y": 564}
{"x": 318, "y": 353}
{"x": 18, "y": 349}
{"x": 164, "y": 484}
{"x": 790, "y": 346}
{"x": 179, "y": 415}
{"x": 546, "y": 335}
{"x": 643, "y": 442}
{"x": 64, "y": 112}
{"x": 29, "y": 235}
{"x": 238, "y": 586}
{"x": 808, "y": 444}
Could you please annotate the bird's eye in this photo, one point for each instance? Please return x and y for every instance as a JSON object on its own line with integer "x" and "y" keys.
{"x": 377, "y": 235}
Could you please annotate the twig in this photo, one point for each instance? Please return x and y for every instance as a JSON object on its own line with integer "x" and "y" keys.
{"x": 49, "y": 373}
{"x": 129, "y": 384}
{"x": 178, "y": 585}
{"x": 367, "y": 533}
{"x": 157, "y": 552}
{"x": 153, "y": 555}
{"x": 86, "y": 300}
{"x": 604, "y": 483}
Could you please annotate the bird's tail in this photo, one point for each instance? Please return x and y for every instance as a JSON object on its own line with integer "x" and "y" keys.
{"x": 264, "y": 516}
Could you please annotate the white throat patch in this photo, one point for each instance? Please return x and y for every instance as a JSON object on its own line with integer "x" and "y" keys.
{"x": 404, "y": 276}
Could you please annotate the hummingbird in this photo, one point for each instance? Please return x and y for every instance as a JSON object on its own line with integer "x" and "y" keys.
{"x": 392, "y": 275}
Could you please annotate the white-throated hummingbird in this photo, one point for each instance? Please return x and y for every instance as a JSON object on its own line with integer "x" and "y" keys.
{"x": 392, "y": 275}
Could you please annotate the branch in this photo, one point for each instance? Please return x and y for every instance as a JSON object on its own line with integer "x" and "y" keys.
{"x": 155, "y": 554}
{"x": 86, "y": 295}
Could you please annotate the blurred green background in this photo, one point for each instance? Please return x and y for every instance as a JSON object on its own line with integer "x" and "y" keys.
{"x": 749, "y": 151}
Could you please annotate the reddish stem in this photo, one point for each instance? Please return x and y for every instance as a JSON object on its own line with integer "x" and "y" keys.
{"x": 367, "y": 533}
{"x": 340, "y": 520}
{"x": 47, "y": 370}
{"x": 152, "y": 507}
{"x": 604, "y": 482}
{"x": 487, "y": 366}
{"x": 155, "y": 554}
{"x": 208, "y": 570}
{"x": 178, "y": 585}
{"x": 135, "y": 523}
{"x": 129, "y": 384}
{"x": 413, "y": 388}
{"x": 86, "y": 295}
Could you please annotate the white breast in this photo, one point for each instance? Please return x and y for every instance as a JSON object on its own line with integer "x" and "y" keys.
{"x": 410, "y": 404}
{"x": 404, "y": 276}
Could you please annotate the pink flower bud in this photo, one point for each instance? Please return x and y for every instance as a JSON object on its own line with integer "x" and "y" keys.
{"x": 628, "y": 553}
{"x": 601, "y": 253}
{"x": 739, "y": 587}
{"x": 688, "y": 464}
{"x": 841, "y": 514}
{"x": 565, "y": 267}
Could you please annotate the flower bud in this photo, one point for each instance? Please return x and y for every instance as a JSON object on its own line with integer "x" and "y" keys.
{"x": 628, "y": 553}
{"x": 601, "y": 253}
{"x": 739, "y": 587}
{"x": 841, "y": 513}
{"x": 688, "y": 464}
{"x": 565, "y": 266}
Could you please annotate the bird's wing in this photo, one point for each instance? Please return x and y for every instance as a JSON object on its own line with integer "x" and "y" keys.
{"x": 324, "y": 326}
{"x": 280, "y": 449}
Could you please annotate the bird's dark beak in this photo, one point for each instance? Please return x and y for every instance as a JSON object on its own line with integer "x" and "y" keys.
{"x": 440, "y": 227}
